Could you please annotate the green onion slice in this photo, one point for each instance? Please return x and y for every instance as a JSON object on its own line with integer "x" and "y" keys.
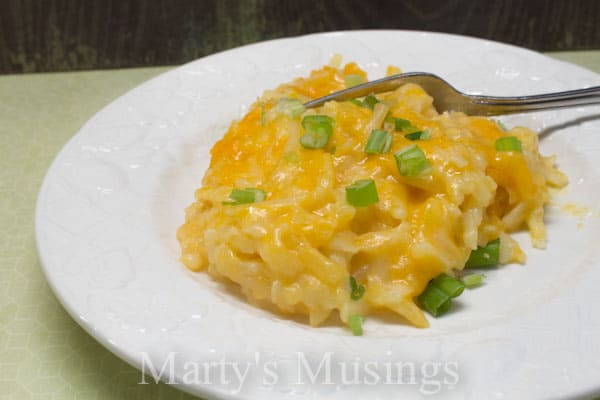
{"x": 362, "y": 193}
{"x": 401, "y": 124}
{"x": 411, "y": 129}
{"x": 356, "y": 102}
{"x": 388, "y": 143}
{"x": 290, "y": 107}
{"x": 418, "y": 135}
{"x": 411, "y": 161}
{"x": 379, "y": 141}
{"x": 367, "y": 102}
{"x": 356, "y": 291}
{"x": 245, "y": 196}
{"x": 472, "y": 280}
{"x": 352, "y": 80}
{"x": 485, "y": 256}
{"x": 449, "y": 285}
{"x": 508, "y": 143}
{"x": 413, "y": 135}
{"x": 426, "y": 134}
{"x": 434, "y": 300}
{"x": 355, "y": 323}
{"x": 318, "y": 131}
{"x": 370, "y": 101}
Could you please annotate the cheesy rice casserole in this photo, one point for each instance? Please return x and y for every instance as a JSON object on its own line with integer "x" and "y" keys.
{"x": 355, "y": 206}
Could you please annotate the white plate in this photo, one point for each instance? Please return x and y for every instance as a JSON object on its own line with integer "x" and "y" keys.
{"x": 111, "y": 203}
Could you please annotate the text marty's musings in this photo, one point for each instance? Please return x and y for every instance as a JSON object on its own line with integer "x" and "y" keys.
{"x": 429, "y": 377}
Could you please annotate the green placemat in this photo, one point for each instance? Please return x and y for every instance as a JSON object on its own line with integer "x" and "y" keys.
{"x": 44, "y": 354}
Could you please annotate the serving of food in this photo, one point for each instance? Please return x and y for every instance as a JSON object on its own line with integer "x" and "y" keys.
{"x": 371, "y": 214}
{"x": 357, "y": 207}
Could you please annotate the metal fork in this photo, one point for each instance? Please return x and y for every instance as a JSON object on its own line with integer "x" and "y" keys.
{"x": 447, "y": 98}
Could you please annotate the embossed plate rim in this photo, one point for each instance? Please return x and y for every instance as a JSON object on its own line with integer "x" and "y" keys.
{"x": 128, "y": 338}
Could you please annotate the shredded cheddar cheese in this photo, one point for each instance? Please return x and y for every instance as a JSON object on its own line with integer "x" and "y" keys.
{"x": 298, "y": 247}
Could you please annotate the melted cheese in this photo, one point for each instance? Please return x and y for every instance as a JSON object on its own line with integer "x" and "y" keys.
{"x": 297, "y": 249}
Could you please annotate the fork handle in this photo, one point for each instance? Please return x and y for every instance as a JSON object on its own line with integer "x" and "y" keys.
{"x": 447, "y": 97}
{"x": 490, "y": 105}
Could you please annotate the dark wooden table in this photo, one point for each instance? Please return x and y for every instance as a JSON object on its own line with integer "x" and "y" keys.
{"x": 62, "y": 35}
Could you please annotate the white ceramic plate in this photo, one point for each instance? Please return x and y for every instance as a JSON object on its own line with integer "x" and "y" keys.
{"x": 111, "y": 203}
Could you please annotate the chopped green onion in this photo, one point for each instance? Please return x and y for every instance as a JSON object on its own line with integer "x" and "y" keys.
{"x": 388, "y": 143}
{"x": 418, "y": 135}
{"x": 426, "y": 134}
{"x": 379, "y": 141}
{"x": 333, "y": 149}
{"x": 508, "y": 143}
{"x": 472, "y": 280}
{"x": 449, "y": 285}
{"x": 434, "y": 300}
{"x": 411, "y": 129}
{"x": 318, "y": 131}
{"x": 413, "y": 135}
{"x": 485, "y": 256}
{"x": 411, "y": 161}
{"x": 367, "y": 102}
{"x": 290, "y": 107}
{"x": 352, "y": 80}
{"x": 370, "y": 101}
{"x": 356, "y": 102}
{"x": 437, "y": 297}
{"x": 355, "y": 323}
{"x": 315, "y": 140}
{"x": 356, "y": 291}
{"x": 245, "y": 196}
{"x": 401, "y": 124}
{"x": 362, "y": 193}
